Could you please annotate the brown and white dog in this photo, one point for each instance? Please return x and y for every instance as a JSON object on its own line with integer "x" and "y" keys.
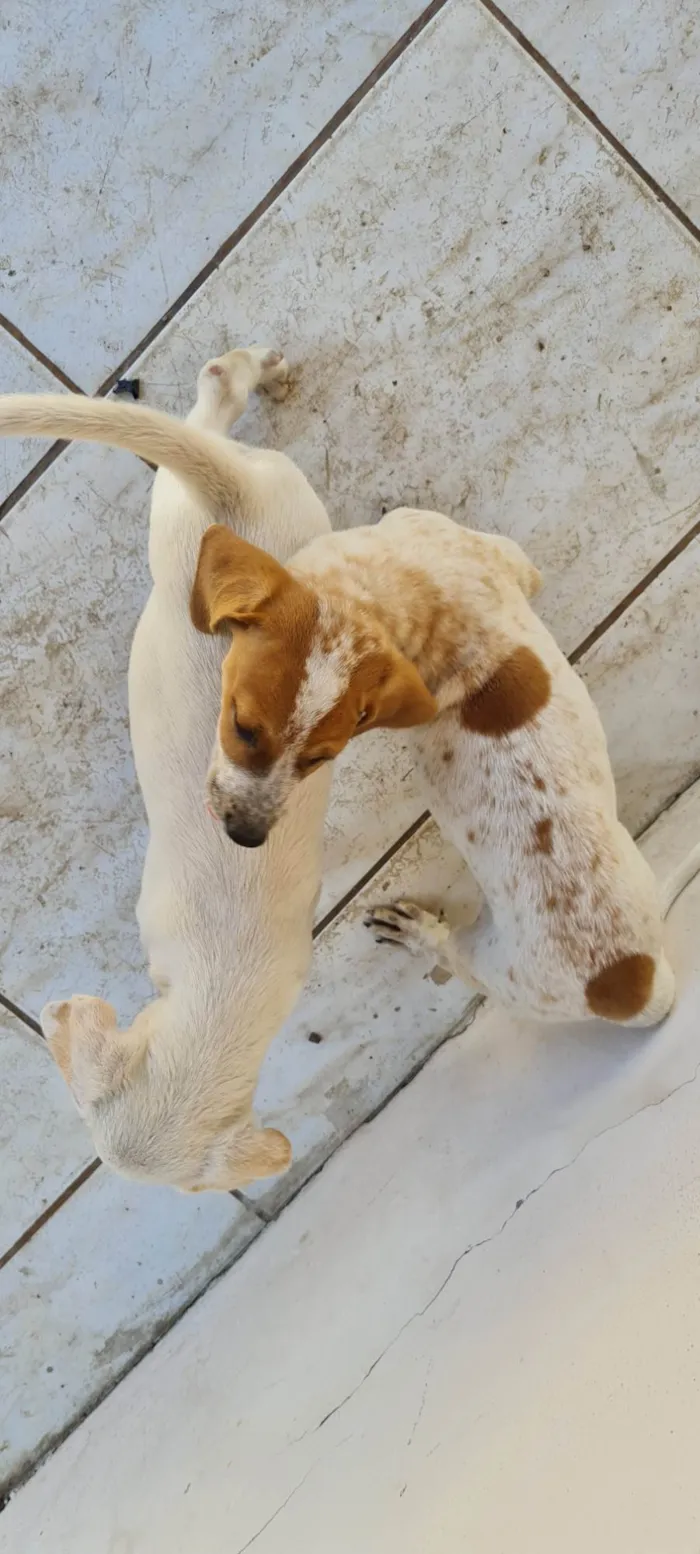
{"x": 516, "y": 762}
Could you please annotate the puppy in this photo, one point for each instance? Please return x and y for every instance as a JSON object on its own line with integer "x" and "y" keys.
{"x": 227, "y": 931}
{"x": 516, "y": 763}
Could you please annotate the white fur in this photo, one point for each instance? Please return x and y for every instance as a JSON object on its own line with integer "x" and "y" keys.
{"x": 227, "y": 932}
{"x": 567, "y": 894}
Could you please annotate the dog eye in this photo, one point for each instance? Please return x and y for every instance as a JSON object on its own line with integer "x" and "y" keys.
{"x": 247, "y": 735}
{"x": 307, "y": 763}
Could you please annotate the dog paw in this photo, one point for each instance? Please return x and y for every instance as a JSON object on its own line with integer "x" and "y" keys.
{"x": 274, "y": 371}
{"x": 407, "y": 924}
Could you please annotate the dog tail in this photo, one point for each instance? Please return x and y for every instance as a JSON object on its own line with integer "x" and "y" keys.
{"x": 682, "y": 876}
{"x": 206, "y": 463}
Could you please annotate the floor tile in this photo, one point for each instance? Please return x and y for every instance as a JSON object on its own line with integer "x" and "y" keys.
{"x": 489, "y": 316}
{"x": 137, "y": 138}
{"x": 20, "y": 373}
{"x": 475, "y": 1329}
{"x": 636, "y": 63}
{"x": 644, "y": 675}
{"x": 92, "y": 1290}
{"x": 378, "y": 1014}
{"x": 43, "y": 1143}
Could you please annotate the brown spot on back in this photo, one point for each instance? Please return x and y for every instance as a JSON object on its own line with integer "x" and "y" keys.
{"x": 543, "y": 835}
{"x": 540, "y": 784}
{"x": 447, "y": 756}
{"x": 551, "y": 903}
{"x": 510, "y": 698}
{"x": 471, "y": 836}
{"x": 621, "y": 991}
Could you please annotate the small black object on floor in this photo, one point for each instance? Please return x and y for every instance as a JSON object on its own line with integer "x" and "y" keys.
{"x": 131, "y": 386}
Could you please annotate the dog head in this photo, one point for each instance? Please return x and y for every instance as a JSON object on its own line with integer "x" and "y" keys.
{"x": 145, "y": 1123}
{"x": 304, "y": 674}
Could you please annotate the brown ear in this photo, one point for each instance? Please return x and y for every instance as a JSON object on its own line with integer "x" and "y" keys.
{"x": 233, "y": 581}
{"x": 400, "y": 700}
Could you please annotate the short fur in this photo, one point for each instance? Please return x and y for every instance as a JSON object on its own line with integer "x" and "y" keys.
{"x": 516, "y": 764}
{"x": 228, "y": 933}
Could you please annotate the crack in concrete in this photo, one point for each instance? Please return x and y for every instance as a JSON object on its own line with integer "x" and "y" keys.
{"x": 278, "y": 1512}
{"x": 475, "y": 1246}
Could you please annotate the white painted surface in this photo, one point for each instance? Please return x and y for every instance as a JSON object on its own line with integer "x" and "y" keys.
{"x": 20, "y": 373}
{"x": 137, "y": 137}
{"x": 489, "y": 314}
{"x": 43, "y": 1143}
{"x": 636, "y": 63}
{"x": 477, "y": 1329}
{"x": 644, "y": 675}
{"x": 92, "y": 1290}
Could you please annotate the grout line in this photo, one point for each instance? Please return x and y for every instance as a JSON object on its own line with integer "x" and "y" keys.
{"x": 27, "y": 1019}
{"x": 38, "y": 1224}
{"x": 231, "y": 242}
{"x": 406, "y": 836}
{"x": 591, "y": 116}
{"x": 35, "y": 351}
{"x": 283, "y": 182}
{"x": 639, "y": 588}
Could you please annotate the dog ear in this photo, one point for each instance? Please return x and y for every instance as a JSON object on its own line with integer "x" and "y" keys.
{"x": 233, "y": 581}
{"x": 397, "y": 699}
{"x": 244, "y": 1154}
{"x": 94, "y": 1057}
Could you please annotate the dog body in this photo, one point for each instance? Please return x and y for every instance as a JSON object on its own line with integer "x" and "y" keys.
{"x": 515, "y": 761}
{"x": 227, "y": 931}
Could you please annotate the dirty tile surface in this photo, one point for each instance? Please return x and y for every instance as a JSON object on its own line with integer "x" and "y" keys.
{"x": 524, "y": 356}
{"x": 136, "y": 139}
{"x": 43, "y": 1143}
{"x": 644, "y": 675}
{"x": 518, "y": 1236}
{"x": 20, "y": 373}
{"x": 487, "y": 313}
{"x": 635, "y": 62}
{"x": 92, "y": 1290}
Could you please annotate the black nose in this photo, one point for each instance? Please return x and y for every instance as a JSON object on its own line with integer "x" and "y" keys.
{"x": 244, "y": 835}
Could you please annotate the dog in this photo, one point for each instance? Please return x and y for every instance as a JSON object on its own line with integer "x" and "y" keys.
{"x": 513, "y": 753}
{"x": 227, "y": 931}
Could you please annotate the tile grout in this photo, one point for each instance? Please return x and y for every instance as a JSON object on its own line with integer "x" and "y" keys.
{"x": 618, "y": 146}
{"x": 36, "y": 352}
{"x": 49, "y": 1212}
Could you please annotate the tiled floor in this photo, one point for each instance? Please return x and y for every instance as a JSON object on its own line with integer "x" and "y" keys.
{"x": 490, "y": 295}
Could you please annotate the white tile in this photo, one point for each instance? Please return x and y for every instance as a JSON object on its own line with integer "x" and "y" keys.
{"x": 476, "y": 1329}
{"x": 644, "y": 675}
{"x": 20, "y": 373}
{"x": 637, "y": 63}
{"x": 91, "y": 1291}
{"x": 489, "y": 316}
{"x": 43, "y": 1143}
{"x": 136, "y": 139}
{"x": 378, "y": 1012}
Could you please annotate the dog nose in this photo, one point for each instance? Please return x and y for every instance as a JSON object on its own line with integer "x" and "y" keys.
{"x": 245, "y": 835}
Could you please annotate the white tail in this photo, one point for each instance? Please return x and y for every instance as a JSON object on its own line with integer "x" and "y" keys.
{"x": 206, "y": 463}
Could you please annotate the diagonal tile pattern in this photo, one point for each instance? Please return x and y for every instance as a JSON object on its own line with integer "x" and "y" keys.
{"x": 489, "y": 313}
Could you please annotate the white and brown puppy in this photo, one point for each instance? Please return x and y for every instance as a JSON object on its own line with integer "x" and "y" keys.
{"x": 227, "y": 931}
{"x": 516, "y": 764}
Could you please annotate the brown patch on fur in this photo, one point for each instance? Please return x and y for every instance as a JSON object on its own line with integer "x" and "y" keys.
{"x": 551, "y": 903}
{"x": 540, "y": 784}
{"x": 471, "y": 836}
{"x": 510, "y": 698}
{"x": 448, "y": 756}
{"x": 621, "y": 991}
{"x": 543, "y": 835}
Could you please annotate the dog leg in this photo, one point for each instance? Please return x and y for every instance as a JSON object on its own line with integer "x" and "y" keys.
{"x": 422, "y": 933}
{"x": 225, "y": 382}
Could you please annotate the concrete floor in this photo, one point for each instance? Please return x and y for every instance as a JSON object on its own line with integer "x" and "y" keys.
{"x": 485, "y": 270}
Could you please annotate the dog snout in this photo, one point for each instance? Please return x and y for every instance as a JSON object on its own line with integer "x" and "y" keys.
{"x": 245, "y": 833}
